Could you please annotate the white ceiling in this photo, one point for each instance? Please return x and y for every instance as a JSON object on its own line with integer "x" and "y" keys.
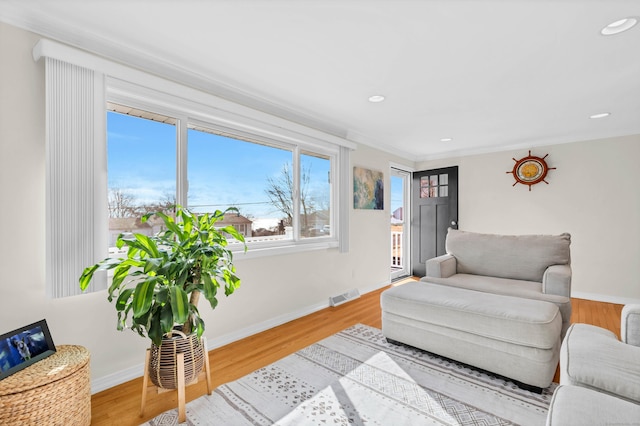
{"x": 491, "y": 75}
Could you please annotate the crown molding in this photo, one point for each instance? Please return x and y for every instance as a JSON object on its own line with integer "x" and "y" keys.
{"x": 28, "y": 18}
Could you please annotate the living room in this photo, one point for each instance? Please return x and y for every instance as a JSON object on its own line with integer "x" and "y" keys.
{"x": 590, "y": 194}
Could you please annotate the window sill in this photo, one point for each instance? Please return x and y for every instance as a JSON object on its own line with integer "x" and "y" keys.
{"x": 290, "y": 247}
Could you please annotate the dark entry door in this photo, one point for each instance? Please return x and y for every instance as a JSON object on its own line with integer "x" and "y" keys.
{"x": 434, "y": 199}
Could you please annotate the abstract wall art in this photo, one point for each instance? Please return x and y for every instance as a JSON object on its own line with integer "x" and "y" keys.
{"x": 368, "y": 189}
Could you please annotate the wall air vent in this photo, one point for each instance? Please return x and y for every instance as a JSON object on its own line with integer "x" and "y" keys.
{"x": 343, "y": 298}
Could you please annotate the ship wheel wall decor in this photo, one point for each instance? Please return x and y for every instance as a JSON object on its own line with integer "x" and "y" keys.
{"x": 530, "y": 170}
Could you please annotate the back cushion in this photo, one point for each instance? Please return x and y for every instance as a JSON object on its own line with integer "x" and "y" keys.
{"x": 520, "y": 257}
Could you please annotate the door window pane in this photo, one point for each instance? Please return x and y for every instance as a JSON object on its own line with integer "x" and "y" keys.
{"x": 434, "y": 186}
{"x": 424, "y": 187}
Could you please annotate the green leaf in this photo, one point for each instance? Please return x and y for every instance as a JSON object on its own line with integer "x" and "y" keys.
{"x": 152, "y": 265}
{"x": 146, "y": 244}
{"x": 233, "y": 232}
{"x": 86, "y": 276}
{"x": 232, "y": 282}
{"x": 179, "y": 304}
{"x": 123, "y": 299}
{"x": 210, "y": 289}
{"x": 162, "y": 295}
{"x": 121, "y": 321}
{"x": 121, "y": 272}
{"x": 166, "y": 318}
{"x": 143, "y": 297}
{"x": 199, "y": 326}
{"x": 187, "y": 221}
{"x": 155, "y": 330}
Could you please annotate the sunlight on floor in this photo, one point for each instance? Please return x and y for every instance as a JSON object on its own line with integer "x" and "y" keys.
{"x": 365, "y": 393}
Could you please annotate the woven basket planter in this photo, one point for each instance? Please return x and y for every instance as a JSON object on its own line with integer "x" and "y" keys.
{"x": 163, "y": 370}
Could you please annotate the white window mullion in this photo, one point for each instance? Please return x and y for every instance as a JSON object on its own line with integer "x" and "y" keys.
{"x": 295, "y": 170}
{"x": 71, "y": 159}
{"x": 182, "y": 179}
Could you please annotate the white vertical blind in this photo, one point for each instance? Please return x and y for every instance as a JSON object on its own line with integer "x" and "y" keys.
{"x": 72, "y": 124}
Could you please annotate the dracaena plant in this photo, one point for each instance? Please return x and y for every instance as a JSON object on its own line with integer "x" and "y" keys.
{"x": 158, "y": 284}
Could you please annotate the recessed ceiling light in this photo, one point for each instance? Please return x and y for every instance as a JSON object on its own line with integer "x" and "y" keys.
{"x": 376, "y": 98}
{"x": 600, "y": 115}
{"x": 446, "y": 139}
{"x": 619, "y": 26}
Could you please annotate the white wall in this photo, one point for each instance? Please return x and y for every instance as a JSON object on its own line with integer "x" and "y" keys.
{"x": 592, "y": 194}
{"x": 274, "y": 289}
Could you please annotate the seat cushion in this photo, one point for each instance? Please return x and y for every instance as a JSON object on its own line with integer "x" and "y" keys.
{"x": 509, "y": 319}
{"x": 506, "y": 287}
{"x": 577, "y": 406}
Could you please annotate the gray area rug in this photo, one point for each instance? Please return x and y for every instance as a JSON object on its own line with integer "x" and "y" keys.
{"x": 356, "y": 378}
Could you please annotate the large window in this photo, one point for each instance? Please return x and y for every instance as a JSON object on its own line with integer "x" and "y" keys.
{"x": 282, "y": 191}
{"x": 163, "y": 142}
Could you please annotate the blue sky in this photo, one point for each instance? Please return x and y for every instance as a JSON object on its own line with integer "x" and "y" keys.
{"x": 142, "y": 163}
{"x": 396, "y": 193}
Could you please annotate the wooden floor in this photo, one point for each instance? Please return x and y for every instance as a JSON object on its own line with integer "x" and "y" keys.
{"x": 121, "y": 404}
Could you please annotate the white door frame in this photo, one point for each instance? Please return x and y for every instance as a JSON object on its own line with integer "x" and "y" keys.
{"x": 405, "y": 270}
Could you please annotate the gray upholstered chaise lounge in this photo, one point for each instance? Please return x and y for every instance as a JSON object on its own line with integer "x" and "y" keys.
{"x": 529, "y": 266}
{"x": 599, "y": 375}
{"x": 500, "y": 303}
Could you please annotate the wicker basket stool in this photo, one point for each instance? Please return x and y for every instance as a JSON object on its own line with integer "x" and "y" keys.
{"x": 53, "y": 391}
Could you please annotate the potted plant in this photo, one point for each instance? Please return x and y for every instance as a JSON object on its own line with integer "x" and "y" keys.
{"x": 159, "y": 282}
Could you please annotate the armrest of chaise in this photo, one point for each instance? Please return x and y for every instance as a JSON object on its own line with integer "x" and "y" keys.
{"x": 557, "y": 280}
{"x": 630, "y": 325}
{"x": 594, "y": 358}
{"x": 442, "y": 266}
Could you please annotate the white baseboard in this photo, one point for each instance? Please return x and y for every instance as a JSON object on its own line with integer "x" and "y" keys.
{"x": 117, "y": 378}
{"x": 604, "y": 298}
{"x": 213, "y": 342}
{"x": 218, "y": 341}
{"x": 374, "y": 287}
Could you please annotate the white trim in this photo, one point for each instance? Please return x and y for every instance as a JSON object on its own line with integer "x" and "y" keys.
{"x": 288, "y": 247}
{"x": 400, "y": 171}
{"x": 136, "y": 371}
{"x": 117, "y": 378}
{"x": 48, "y": 48}
{"x": 344, "y": 198}
{"x": 604, "y": 298}
{"x": 401, "y": 167}
{"x": 27, "y": 17}
{"x": 374, "y": 287}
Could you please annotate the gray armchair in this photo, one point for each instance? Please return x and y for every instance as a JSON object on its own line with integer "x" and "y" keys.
{"x": 599, "y": 375}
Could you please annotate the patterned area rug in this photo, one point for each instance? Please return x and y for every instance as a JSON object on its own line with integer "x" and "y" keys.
{"x": 356, "y": 378}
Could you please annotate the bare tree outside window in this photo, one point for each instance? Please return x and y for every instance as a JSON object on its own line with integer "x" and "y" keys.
{"x": 124, "y": 205}
{"x": 280, "y": 193}
{"x": 121, "y": 204}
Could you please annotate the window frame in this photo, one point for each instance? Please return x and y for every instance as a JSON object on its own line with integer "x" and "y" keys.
{"x": 188, "y": 112}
